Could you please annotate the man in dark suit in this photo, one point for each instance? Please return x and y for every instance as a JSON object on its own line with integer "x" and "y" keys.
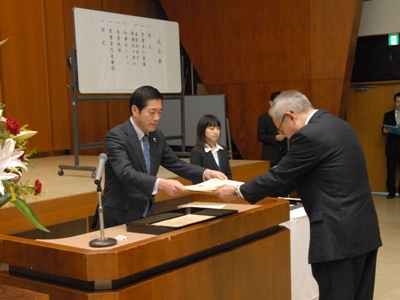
{"x": 274, "y": 142}
{"x": 130, "y": 185}
{"x": 325, "y": 164}
{"x": 392, "y": 149}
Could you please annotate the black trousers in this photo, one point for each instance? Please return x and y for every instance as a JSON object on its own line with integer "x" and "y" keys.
{"x": 346, "y": 279}
{"x": 392, "y": 163}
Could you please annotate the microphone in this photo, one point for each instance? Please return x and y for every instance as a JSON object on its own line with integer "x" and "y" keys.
{"x": 102, "y": 241}
{"x": 102, "y": 160}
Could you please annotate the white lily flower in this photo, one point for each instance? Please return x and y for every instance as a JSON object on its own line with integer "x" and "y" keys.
{"x": 9, "y": 159}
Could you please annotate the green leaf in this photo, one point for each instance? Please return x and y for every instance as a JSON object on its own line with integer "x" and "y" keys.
{"x": 5, "y": 198}
{"x": 27, "y": 211}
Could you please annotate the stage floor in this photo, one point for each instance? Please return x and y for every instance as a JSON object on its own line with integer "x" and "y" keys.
{"x": 73, "y": 182}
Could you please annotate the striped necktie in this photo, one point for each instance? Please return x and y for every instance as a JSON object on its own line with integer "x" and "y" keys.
{"x": 146, "y": 152}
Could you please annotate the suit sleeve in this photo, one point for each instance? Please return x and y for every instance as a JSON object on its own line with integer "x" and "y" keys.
{"x": 173, "y": 163}
{"x": 301, "y": 158}
{"x": 195, "y": 156}
{"x": 388, "y": 119}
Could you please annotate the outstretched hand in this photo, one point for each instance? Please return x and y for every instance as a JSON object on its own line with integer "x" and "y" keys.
{"x": 225, "y": 192}
{"x": 209, "y": 174}
{"x": 171, "y": 186}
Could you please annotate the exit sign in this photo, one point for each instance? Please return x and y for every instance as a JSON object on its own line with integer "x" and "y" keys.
{"x": 393, "y": 39}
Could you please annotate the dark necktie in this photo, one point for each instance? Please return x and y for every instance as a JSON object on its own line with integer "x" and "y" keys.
{"x": 146, "y": 152}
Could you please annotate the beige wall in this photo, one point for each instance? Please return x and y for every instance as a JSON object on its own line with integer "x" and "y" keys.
{"x": 380, "y": 17}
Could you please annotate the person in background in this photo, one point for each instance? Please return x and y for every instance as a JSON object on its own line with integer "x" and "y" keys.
{"x": 331, "y": 178}
{"x": 207, "y": 152}
{"x": 135, "y": 151}
{"x": 275, "y": 143}
{"x": 392, "y": 149}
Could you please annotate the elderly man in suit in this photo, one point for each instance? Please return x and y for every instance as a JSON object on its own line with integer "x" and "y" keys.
{"x": 330, "y": 176}
{"x": 130, "y": 174}
{"x": 392, "y": 149}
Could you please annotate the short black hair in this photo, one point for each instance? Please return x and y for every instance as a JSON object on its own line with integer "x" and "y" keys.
{"x": 205, "y": 122}
{"x": 396, "y": 95}
{"x": 274, "y": 95}
{"x": 142, "y": 95}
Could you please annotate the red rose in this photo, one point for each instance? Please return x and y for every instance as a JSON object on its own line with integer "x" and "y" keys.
{"x": 38, "y": 187}
{"x": 13, "y": 126}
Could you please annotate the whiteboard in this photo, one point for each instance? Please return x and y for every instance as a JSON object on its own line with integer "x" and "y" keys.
{"x": 194, "y": 108}
{"x": 119, "y": 53}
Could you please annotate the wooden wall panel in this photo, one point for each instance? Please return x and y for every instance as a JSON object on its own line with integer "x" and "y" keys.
{"x": 365, "y": 112}
{"x": 245, "y": 50}
{"x": 244, "y": 110}
{"x": 324, "y": 89}
{"x": 333, "y": 37}
{"x": 236, "y": 42}
{"x": 23, "y": 71}
{"x": 59, "y": 102}
{"x": 238, "y": 47}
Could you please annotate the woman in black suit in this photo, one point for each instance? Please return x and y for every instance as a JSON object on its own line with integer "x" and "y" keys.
{"x": 208, "y": 153}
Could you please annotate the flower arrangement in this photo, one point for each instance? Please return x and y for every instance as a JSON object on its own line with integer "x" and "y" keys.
{"x": 14, "y": 159}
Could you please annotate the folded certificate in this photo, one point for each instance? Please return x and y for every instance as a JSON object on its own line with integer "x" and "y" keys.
{"x": 211, "y": 185}
{"x": 392, "y": 129}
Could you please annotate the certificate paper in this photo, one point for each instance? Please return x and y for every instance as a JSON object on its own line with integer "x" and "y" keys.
{"x": 183, "y": 221}
{"x": 211, "y": 185}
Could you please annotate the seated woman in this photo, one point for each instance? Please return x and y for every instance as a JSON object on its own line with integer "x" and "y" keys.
{"x": 207, "y": 152}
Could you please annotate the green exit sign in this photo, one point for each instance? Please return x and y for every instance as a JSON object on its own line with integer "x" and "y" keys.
{"x": 393, "y": 39}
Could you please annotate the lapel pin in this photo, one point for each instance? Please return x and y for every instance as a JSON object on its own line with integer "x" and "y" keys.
{"x": 154, "y": 139}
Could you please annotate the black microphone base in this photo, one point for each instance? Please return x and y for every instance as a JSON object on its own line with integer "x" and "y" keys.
{"x": 106, "y": 242}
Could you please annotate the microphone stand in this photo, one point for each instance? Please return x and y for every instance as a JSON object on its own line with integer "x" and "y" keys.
{"x": 102, "y": 241}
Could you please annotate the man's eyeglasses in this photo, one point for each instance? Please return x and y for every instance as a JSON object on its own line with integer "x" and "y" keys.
{"x": 280, "y": 125}
{"x": 283, "y": 119}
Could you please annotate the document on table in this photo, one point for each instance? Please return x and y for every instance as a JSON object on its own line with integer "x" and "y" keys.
{"x": 183, "y": 220}
{"x": 211, "y": 185}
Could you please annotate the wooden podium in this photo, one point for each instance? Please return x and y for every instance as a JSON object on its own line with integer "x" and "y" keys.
{"x": 245, "y": 255}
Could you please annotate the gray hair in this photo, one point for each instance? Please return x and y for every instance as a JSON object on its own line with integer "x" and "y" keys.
{"x": 292, "y": 101}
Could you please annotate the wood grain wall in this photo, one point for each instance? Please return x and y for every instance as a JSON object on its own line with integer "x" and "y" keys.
{"x": 249, "y": 49}
{"x": 365, "y": 111}
{"x": 34, "y": 75}
{"x": 243, "y": 49}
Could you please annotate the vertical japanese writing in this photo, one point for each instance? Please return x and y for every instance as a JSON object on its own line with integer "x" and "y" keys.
{"x": 131, "y": 51}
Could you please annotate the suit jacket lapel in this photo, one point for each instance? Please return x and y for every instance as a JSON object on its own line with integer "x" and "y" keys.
{"x": 210, "y": 156}
{"x": 393, "y": 118}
